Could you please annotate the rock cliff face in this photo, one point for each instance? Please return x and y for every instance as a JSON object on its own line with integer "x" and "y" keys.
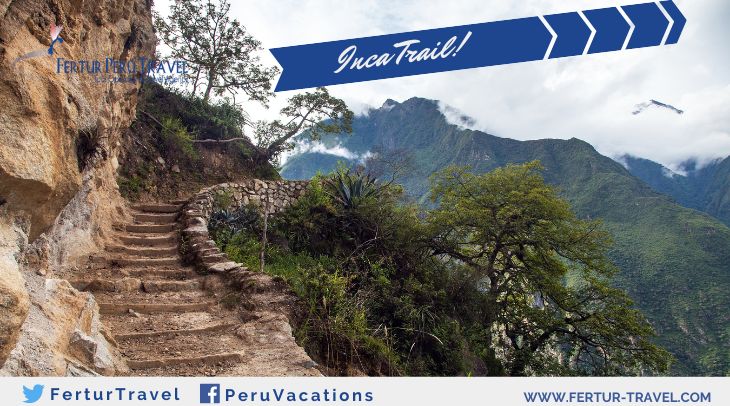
{"x": 59, "y": 137}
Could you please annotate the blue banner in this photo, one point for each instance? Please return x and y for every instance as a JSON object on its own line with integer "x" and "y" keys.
{"x": 479, "y": 45}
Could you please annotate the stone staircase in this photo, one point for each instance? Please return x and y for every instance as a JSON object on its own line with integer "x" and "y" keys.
{"x": 163, "y": 320}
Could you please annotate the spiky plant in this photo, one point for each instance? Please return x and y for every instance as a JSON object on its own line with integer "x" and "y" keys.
{"x": 349, "y": 188}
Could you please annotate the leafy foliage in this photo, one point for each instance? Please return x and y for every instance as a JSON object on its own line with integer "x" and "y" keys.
{"x": 313, "y": 113}
{"x": 391, "y": 290}
{"x": 223, "y": 200}
{"x": 224, "y": 223}
{"x": 522, "y": 242}
{"x": 674, "y": 261}
{"x": 220, "y": 53}
{"x": 218, "y": 119}
{"x": 176, "y": 141}
{"x": 349, "y": 188}
{"x": 130, "y": 188}
{"x": 223, "y": 61}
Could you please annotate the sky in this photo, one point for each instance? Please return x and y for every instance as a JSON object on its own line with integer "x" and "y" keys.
{"x": 587, "y": 97}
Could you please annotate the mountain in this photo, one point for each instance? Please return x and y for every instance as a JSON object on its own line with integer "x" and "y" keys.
{"x": 706, "y": 188}
{"x": 675, "y": 261}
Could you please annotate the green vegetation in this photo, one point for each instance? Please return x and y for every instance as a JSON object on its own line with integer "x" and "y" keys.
{"x": 217, "y": 120}
{"x": 501, "y": 278}
{"x": 220, "y": 53}
{"x": 223, "y": 200}
{"x": 130, "y": 188}
{"x": 178, "y": 128}
{"x": 223, "y": 61}
{"x": 312, "y": 113}
{"x": 176, "y": 140}
{"x": 706, "y": 189}
{"x": 674, "y": 261}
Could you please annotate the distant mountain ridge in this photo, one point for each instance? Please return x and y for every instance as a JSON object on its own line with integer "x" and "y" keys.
{"x": 675, "y": 260}
{"x": 705, "y": 189}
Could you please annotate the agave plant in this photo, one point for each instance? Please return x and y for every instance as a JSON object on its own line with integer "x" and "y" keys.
{"x": 223, "y": 224}
{"x": 350, "y": 188}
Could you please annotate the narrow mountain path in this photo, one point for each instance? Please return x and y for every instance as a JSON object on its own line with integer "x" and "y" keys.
{"x": 163, "y": 320}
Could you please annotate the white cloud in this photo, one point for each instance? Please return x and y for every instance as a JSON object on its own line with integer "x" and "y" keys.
{"x": 456, "y": 117}
{"x": 589, "y": 97}
{"x": 318, "y": 147}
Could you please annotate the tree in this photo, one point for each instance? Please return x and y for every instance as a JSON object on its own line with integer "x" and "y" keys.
{"x": 220, "y": 54}
{"x": 544, "y": 272}
{"x": 222, "y": 60}
{"x": 390, "y": 163}
{"x": 313, "y": 113}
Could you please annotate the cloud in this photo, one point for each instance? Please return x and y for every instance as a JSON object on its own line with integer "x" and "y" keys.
{"x": 589, "y": 97}
{"x": 456, "y": 117}
{"x": 338, "y": 150}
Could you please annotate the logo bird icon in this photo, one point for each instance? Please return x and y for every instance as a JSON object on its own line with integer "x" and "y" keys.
{"x": 32, "y": 395}
{"x": 55, "y": 30}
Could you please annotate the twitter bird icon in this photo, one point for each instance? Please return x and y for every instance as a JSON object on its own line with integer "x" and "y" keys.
{"x": 32, "y": 395}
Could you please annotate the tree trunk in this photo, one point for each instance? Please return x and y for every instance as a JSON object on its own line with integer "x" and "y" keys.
{"x": 262, "y": 254}
{"x": 260, "y": 156}
{"x": 209, "y": 86}
{"x": 519, "y": 364}
{"x": 195, "y": 83}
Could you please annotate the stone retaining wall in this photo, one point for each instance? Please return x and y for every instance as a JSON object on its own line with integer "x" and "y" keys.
{"x": 273, "y": 195}
{"x": 266, "y": 303}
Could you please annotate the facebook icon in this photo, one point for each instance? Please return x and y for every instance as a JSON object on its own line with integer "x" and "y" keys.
{"x": 210, "y": 393}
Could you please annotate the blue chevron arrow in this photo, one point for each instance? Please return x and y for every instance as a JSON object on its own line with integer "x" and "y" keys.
{"x": 678, "y": 21}
{"x": 479, "y": 45}
{"x": 616, "y": 28}
{"x": 651, "y": 25}
{"x": 573, "y": 34}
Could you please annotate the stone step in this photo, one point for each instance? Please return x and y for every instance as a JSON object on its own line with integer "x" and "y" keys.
{"x": 213, "y": 359}
{"x": 150, "y": 240}
{"x": 154, "y": 286}
{"x": 167, "y": 297}
{"x": 107, "y": 285}
{"x": 216, "y": 258}
{"x": 149, "y": 308}
{"x": 131, "y": 324}
{"x": 146, "y": 228}
{"x": 146, "y": 273}
{"x": 136, "y": 262}
{"x": 173, "y": 333}
{"x": 150, "y": 252}
{"x": 179, "y": 201}
{"x": 158, "y": 208}
{"x": 157, "y": 218}
{"x": 133, "y": 285}
{"x": 189, "y": 344}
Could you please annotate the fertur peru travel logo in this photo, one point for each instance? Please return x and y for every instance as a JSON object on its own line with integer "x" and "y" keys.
{"x": 55, "y": 31}
{"x": 109, "y": 69}
{"x": 33, "y": 395}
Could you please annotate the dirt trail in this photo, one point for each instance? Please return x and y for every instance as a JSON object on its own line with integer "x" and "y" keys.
{"x": 166, "y": 324}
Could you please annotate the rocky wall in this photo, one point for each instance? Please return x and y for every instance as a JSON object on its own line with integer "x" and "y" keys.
{"x": 59, "y": 137}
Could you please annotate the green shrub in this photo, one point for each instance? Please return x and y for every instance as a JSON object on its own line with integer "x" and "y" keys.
{"x": 224, "y": 224}
{"x": 390, "y": 290}
{"x": 130, "y": 188}
{"x": 177, "y": 141}
{"x": 223, "y": 200}
{"x": 348, "y": 250}
{"x": 350, "y": 188}
{"x": 220, "y": 119}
